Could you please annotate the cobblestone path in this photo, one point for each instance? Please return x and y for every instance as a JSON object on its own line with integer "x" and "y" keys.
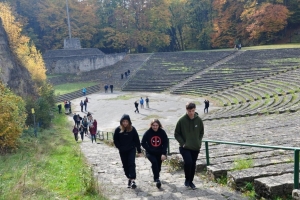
{"x": 109, "y": 172}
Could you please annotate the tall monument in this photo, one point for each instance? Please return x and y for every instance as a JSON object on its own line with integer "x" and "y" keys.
{"x": 71, "y": 43}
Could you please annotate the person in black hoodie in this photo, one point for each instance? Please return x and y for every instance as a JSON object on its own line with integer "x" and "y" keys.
{"x": 155, "y": 142}
{"x": 126, "y": 139}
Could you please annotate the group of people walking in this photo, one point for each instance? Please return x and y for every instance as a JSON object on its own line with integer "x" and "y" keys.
{"x": 189, "y": 132}
{"x": 110, "y": 86}
{"x": 86, "y": 126}
{"x": 136, "y": 104}
{"x": 127, "y": 73}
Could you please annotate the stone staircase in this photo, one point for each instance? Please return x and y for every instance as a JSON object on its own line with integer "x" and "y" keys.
{"x": 78, "y": 93}
{"x": 222, "y": 61}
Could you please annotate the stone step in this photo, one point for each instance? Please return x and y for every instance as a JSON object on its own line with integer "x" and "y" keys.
{"x": 238, "y": 179}
{"x": 219, "y": 170}
{"x": 274, "y": 186}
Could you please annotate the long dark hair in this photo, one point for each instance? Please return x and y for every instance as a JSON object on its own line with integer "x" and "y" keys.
{"x": 156, "y": 121}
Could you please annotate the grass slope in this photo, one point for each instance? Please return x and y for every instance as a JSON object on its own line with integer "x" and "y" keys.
{"x": 50, "y": 166}
{"x": 71, "y": 87}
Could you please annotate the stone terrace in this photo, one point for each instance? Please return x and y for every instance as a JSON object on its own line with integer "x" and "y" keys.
{"x": 247, "y": 67}
{"x": 163, "y": 70}
{"x": 107, "y": 75}
{"x": 279, "y": 93}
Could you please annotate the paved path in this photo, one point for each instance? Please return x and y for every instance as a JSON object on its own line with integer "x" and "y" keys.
{"x": 107, "y": 109}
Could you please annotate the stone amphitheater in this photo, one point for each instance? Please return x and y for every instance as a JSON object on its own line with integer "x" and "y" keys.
{"x": 255, "y": 97}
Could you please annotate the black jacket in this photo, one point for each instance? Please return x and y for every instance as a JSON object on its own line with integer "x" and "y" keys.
{"x": 127, "y": 140}
{"x": 155, "y": 142}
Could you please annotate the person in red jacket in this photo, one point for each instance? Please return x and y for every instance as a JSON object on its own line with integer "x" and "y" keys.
{"x": 93, "y": 130}
{"x": 75, "y": 131}
{"x": 155, "y": 142}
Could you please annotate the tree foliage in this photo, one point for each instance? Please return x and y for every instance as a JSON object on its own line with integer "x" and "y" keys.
{"x": 12, "y": 118}
{"x": 159, "y": 25}
{"x": 24, "y": 50}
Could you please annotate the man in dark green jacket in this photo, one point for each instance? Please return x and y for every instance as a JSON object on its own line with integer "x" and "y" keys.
{"x": 189, "y": 132}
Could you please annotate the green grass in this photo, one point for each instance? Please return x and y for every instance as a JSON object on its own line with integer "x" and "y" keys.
{"x": 122, "y": 97}
{"x": 50, "y": 166}
{"x": 71, "y": 87}
{"x": 242, "y": 164}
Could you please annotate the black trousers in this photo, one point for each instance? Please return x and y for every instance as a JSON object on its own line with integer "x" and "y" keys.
{"x": 156, "y": 164}
{"x": 93, "y": 136}
{"x": 206, "y": 108}
{"x": 128, "y": 161}
{"x": 81, "y": 135}
{"x": 189, "y": 158}
{"x": 136, "y": 109}
{"x": 76, "y": 136}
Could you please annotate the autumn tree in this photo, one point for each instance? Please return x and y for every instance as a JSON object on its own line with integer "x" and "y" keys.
{"x": 12, "y": 119}
{"x": 266, "y": 22}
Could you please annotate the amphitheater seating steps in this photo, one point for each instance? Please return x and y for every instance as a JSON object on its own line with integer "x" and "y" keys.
{"x": 249, "y": 66}
{"x": 173, "y": 67}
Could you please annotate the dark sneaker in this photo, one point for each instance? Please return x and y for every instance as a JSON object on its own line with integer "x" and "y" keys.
{"x": 192, "y": 185}
{"x": 158, "y": 183}
{"x": 186, "y": 183}
{"x": 129, "y": 184}
{"x": 133, "y": 185}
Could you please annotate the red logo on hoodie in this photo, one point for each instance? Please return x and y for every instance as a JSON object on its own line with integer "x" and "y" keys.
{"x": 155, "y": 141}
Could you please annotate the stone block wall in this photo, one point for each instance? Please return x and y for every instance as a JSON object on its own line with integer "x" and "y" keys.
{"x": 80, "y": 60}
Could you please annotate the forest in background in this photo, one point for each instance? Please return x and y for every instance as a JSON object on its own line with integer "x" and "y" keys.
{"x": 158, "y": 25}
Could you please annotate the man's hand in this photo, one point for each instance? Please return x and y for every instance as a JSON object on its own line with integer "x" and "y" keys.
{"x": 163, "y": 157}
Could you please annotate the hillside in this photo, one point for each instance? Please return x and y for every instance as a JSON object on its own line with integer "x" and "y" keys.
{"x": 16, "y": 77}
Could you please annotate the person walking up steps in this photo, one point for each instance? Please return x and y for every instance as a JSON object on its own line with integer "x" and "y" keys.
{"x": 189, "y": 132}
{"x": 93, "y": 130}
{"x": 81, "y": 131}
{"x": 136, "y": 105}
{"x": 85, "y": 102}
{"x": 75, "y": 131}
{"x": 155, "y": 142}
{"x": 126, "y": 139}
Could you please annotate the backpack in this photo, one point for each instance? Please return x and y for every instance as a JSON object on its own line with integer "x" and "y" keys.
{"x": 81, "y": 103}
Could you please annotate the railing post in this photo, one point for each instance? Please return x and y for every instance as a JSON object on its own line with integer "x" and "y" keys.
{"x": 296, "y": 169}
{"x": 207, "y": 153}
{"x": 106, "y": 135}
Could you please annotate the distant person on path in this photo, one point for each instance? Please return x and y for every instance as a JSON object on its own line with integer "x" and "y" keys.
{"x": 126, "y": 139}
{"x": 126, "y": 74}
{"x": 70, "y": 107}
{"x": 155, "y": 142}
{"x": 59, "y": 108}
{"x": 136, "y": 105}
{"x": 81, "y": 105}
{"x": 189, "y": 132}
{"x": 206, "y": 105}
{"x": 240, "y": 46}
{"x": 75, "y": 131}
{"x": 111, "y": 88}
{"x": 93, "y": 130}
{"x": 85, "y": 102}
{"x": 142, "y": 102}
{"x": 122, "y": 76}
{"x": 83, "y": 91}
{"x": 81, "y": 131}
{"x": 75, "y": 119}
{"x": 147, "y": 102}
{"x": 106, "y": 88}
{"x": 85, "y": 125}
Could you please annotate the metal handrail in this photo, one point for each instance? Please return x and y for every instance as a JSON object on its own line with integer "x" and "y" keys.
{"x": 295, "y": 149}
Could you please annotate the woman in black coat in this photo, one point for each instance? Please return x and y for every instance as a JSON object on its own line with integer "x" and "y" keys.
{"x": 126, "y": 139}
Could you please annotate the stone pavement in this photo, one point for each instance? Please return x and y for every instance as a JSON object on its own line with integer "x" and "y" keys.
{"x": 108, "y": 170}
{"x": 108, "y": 109}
